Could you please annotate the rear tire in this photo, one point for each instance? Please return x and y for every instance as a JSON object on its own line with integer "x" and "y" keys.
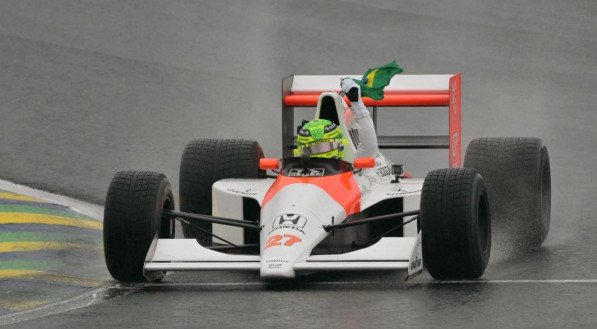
{"x": 132, "y": 217}
{"x": 518, "y": 178}
{"x": 206, "y": 161}
{"x": 455, "y": 224}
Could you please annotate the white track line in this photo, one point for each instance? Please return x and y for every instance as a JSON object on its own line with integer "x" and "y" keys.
{"x": 335, "y": 283}
{"x": 87, "y": 209}
{"x": 518, "y": 281}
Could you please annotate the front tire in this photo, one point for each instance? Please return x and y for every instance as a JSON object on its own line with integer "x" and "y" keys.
{"x": 132, "y": 217}
{"x": 455, "y": 224}
{"x": 206, "y": 161}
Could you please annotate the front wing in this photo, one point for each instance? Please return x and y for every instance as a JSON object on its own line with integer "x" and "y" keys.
{"x": 188, "y": 255}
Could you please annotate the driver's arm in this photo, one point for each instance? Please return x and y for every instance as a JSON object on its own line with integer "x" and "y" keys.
{"x": 361, "y": 120}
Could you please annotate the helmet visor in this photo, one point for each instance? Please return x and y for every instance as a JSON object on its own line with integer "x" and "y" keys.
{"x": 319, "y": 148}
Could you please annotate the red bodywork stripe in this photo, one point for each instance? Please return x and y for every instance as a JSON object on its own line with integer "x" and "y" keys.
{"x": 343, "y": 188}
{"x": 389, "y": 100}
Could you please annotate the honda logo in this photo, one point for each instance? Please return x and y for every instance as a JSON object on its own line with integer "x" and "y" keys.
{"x": 290, "y": 220}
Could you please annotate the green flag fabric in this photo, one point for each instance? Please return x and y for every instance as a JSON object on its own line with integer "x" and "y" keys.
{"x": 376, "y": 79}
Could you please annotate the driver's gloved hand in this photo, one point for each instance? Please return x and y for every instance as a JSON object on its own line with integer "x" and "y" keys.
{"x": 353, "y": 92}
{"x": 351, "y": 89}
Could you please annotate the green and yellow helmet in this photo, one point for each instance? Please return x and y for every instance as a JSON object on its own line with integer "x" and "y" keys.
{"x": 320, "y": 139}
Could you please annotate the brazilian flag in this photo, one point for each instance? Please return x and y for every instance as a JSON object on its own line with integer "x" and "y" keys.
{"x": 376, "y": 79}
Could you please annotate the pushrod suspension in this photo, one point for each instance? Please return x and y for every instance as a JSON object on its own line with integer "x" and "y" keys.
{"x": 328, "y": 228}
{"x": 212, "y": 219}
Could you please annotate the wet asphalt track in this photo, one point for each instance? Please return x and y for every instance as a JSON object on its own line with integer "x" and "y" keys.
{"x": 88, "y": 88}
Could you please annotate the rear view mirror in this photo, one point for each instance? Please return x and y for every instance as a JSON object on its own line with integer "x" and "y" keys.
{"x": 269, "y": 163}
{"x": 360, "y": 163}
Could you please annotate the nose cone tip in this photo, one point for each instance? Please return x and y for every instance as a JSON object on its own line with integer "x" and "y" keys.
{"x": 277, "y": 272}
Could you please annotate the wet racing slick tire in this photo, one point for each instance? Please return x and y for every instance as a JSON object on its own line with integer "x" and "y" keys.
{"x": 517, "y": 174}
{"x": 206, "y": 161}
{"x": 132, "y": 217}
{"x": 455, "y": 224}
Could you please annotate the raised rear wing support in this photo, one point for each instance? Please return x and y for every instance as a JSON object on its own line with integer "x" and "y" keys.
{"x": 403, "y": 91}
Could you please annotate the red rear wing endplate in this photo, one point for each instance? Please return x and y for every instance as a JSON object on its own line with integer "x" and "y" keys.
{"x": 403, "y": 91}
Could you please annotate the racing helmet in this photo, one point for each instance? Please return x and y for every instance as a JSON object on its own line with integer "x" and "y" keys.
{"x": 320, "y": 138}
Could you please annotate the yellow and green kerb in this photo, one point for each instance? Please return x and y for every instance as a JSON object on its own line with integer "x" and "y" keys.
{"x": 47, "y": 252}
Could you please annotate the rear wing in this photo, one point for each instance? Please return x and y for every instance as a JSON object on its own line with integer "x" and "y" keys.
{"x": 403, "y": 91}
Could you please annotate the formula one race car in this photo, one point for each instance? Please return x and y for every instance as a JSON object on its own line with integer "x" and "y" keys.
{"x": 319, "y": 214}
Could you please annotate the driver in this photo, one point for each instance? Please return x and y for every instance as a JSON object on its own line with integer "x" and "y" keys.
{"x": 322, "y": 138}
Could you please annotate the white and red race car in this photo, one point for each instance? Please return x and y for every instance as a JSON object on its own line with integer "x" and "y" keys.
{"x": 327, "y": 214}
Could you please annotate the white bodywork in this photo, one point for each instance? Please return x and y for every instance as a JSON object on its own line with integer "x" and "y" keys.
{"x": 292, "y": 225}
{"x": 399, "y": 83}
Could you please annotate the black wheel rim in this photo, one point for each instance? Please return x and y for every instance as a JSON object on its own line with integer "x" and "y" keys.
{"x": 166, "y": 224}
{"x": 545, "y": 186}
{"x": 483, "y": 224}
